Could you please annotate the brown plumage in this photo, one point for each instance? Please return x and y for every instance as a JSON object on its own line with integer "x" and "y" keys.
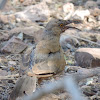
{"x": 48, "y": 56}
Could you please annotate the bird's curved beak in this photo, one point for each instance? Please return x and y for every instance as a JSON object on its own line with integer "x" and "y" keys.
{"x": 67, "y": 26}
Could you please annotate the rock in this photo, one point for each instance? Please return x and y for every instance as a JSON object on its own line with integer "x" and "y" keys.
{"x": 14, "y": 45}
{"x": 3, "y": 36}
{"x": 81, "y": 13}
{"x": 29, "y": 2}
{"x": 52, "y": 96}
{"x": 71, "y": 69}
{"x": 68, "y": 9}
{"x": 3, "y": 61}
{"x": 3, "y": 72}
{"x": 12, "y": 63}
{"x": 7, "y": 18}
{"x": 78, "y": 14}
{"x": 90, "y": 4}
{"x": 88, "y": 57}
{"x": 33, "y": 32}
{"x": 4, "y": 18}
{"x": 49, "y": 1}
{"x": 21, "y": 1}
{"x": 95, "y": 12}
{"x": 91, "y": 19}
{"x": 39, "y": 12}
{"x": 95, "y": 97}
{"x": 88, "y": 90}
{"x": 20, "y": 36}
{"x": 77, "y": 2}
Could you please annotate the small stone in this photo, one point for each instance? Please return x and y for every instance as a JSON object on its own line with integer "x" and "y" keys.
{"x": 10, "y": 81}
{"x": 91, "y": 19}
{"x": 88, "y": 90}
{"x": 3, "y": 36}
{"x": 91, "y": 4}
{"x": 20, "y": 36}
{"x": 95, "y": 12}
{"x": 12, "y": 63}
{"x": 14, "y": 45}
{"x": 68, "y": 7}
{"x": 3, "y": 72}
{"x": 82, "y": 14}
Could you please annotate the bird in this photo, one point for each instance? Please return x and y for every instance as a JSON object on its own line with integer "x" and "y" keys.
{"x": 48, "y": 54}
{"x": 48, "y": 58}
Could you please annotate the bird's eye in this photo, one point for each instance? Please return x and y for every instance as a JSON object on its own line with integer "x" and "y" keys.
{"x": 61, "y": 25}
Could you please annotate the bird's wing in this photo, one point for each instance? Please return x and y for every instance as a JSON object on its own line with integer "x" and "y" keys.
{"x": 27, "y": 62}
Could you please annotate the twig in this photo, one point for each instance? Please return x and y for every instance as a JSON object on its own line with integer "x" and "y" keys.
{"x": 9, "y": 76}
{"x": 84, "y": 39}
{"x": 83, "y": 73}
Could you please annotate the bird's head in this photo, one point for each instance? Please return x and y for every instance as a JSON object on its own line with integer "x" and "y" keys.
{"x": 57, "y": 26}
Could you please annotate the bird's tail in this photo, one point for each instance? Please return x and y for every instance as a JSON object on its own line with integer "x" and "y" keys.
{"x": 24, "y": 86}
